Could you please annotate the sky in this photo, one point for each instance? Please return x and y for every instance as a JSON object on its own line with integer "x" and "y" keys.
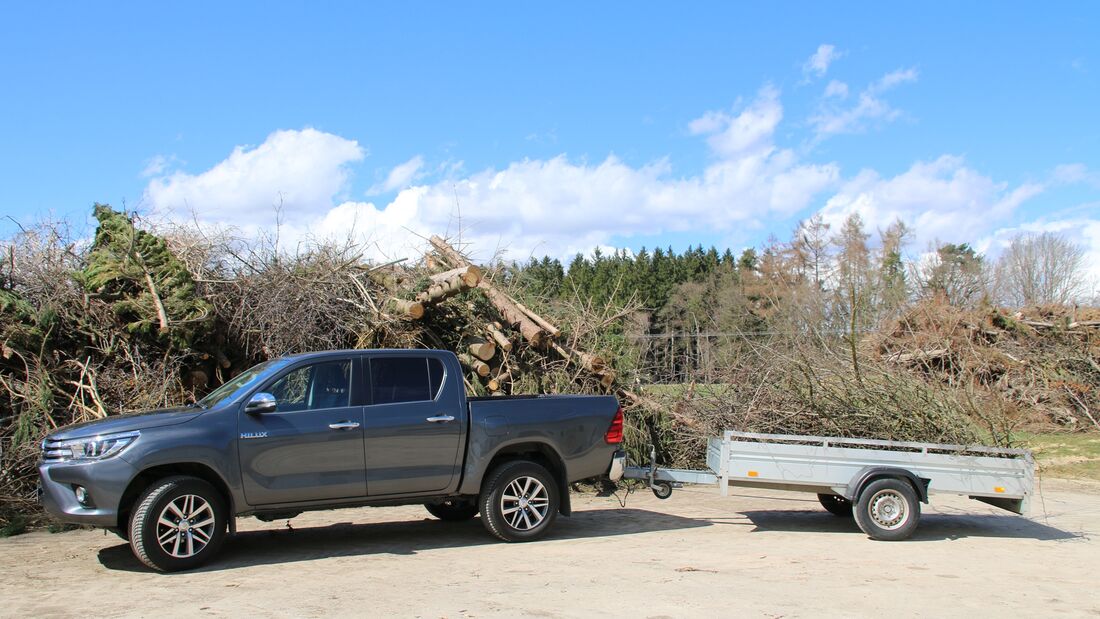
{"x": 556, "y": 128}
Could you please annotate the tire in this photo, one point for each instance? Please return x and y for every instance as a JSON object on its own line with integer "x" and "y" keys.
{"x": 662, "y": 490}
{"x": 836, "y": 505}
{"x": 519, "y": 501}
{"x": 197, "y": 507}
{"x": 888, "y": 510}
{"x": 454, "y": 510}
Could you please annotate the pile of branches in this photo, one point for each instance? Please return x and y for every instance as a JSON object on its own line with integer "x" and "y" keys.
{"x": 143, "y": 318}
{"x": 1041, "y": 363}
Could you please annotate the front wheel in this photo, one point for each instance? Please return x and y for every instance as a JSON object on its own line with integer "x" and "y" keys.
{"x": 454, "y": 510}
{"x": 179, "y": 524}
{"x": 519, "y": 501}
{"x": 888, "y": 510}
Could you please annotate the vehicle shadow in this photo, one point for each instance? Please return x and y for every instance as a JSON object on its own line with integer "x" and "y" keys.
{"x": 270, "y": 546}
{"x": 932, "y": 527}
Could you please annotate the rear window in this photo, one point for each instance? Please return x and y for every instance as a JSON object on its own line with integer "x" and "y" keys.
{"x": 405, "y": 379}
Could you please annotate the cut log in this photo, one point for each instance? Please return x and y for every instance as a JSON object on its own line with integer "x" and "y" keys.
{"x": 469, "y": 274}
{"x": 445, "y": 289}
{"x": 480, "y": 348}
{"x": 412, "y": 310}
{"x": 499, "y": 337}
{"x": 477, "y": 365}
{"x": 529, "y": 329}
{"x": 542, "y": 322}
{"x": 497, "y": 382}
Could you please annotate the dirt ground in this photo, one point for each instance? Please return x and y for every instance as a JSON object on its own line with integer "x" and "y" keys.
{"x": 756, "y": 553}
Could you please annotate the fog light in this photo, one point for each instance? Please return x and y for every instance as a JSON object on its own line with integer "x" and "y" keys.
{"x": 82, "y": 496}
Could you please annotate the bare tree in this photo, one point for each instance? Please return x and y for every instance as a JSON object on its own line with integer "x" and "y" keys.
{"x": 1039, "y": 269}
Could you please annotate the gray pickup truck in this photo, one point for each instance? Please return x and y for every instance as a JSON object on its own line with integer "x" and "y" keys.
{"x": 328, "y": 430}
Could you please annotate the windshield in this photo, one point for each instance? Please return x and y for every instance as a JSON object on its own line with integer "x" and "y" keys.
{"x": 229, "y": 388}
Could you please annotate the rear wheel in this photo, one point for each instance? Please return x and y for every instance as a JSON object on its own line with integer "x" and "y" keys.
{"x": 178, "y": 524}
{"x": 836, "y": 505}
{"x": 888, "y": 510}
{"x": 454, "y": 510}
{"x": 519, "y": 501}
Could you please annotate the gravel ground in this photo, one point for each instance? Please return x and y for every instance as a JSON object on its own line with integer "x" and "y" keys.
{"x": 756, "y": 553}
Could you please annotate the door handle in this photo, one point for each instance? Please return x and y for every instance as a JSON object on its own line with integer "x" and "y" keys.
{"x": 441, "y": 419}
{"x": 344, "y": 425}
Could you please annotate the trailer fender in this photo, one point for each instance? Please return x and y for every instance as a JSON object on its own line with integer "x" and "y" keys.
{"x": 871, "y": 473}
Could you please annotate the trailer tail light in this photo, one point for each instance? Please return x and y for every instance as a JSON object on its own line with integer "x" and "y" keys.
{"x": 614, "y": 434}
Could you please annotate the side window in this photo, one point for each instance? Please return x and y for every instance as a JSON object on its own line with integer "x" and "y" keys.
{"x": 404, "y": 379}
{"x": 312, "y": 387}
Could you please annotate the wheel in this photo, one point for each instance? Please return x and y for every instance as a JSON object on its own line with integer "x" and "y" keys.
{"x": 519, "y": 501}
{"x": 453, "y": 510}
{"x": 836, "y": 505}
{"x": 662, "y": 489}
{"x": 179, "y": 524}
{"x": 888, "y": 510}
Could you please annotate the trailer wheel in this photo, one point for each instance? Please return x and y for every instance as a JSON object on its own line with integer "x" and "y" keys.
{"x": 662, "y": 489}
{"x": 888, "y": 509}
{"x": 836, "y": 505}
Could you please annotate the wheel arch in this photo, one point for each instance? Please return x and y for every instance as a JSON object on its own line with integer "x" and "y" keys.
{"x": 147, "y": 476}
{"x": 542, "y": 453}
{"x": 873, "y": 473}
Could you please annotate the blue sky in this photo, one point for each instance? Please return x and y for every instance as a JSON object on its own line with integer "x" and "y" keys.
{"x": 558, "y": 128}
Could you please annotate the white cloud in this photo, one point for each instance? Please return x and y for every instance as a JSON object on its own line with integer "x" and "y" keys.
{"x": 556, "y": 206}
{"x": 818, "y": 63}
{"x": 941, "y": 200}
{"x": 836, "y": 88}
{"x": 300, "y": 170}
{"x": 869, "y": 110}
{"x": 400, "y": 176}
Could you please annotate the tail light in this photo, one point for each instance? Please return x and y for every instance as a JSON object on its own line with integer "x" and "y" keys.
{"x": 614, "y": 434}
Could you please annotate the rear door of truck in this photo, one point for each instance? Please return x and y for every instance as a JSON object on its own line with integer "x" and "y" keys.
{"x": 414, "y": 423}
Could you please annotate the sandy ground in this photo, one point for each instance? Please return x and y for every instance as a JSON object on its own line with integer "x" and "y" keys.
{"x": 755, "y": 553}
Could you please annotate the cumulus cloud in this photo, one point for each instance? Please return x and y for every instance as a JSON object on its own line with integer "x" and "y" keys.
{"x": 555, "y": 206}
{"x": 301, "y": 171}
{"x": 400, "y": 176}
{"x": 818, "y": 63}
{"x": 869, "y": 110}
{"x": 943, "y": 199}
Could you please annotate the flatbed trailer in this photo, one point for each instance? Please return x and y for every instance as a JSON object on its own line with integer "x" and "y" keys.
{"x": 880, "y": 483}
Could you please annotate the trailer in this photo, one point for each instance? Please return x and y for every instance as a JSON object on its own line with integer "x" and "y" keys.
{"x": 880, "y": 483}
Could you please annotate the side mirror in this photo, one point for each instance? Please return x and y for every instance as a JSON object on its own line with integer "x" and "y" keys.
{"x": 261, "y": 403}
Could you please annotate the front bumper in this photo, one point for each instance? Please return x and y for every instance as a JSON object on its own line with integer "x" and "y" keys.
{"x": 618, "y": 466}
{"x": 104, "y": 480}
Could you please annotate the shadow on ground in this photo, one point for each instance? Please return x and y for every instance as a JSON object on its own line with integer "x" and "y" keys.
{"x": 932, "y": 527}
{"x": 251, "y": 548}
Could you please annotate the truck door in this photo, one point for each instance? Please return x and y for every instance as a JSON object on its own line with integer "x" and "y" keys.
{"x": 412, "y": 428}
{"x": 311, "y": 447}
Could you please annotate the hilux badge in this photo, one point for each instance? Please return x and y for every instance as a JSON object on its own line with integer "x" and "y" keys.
{"x": 253, "y": 434}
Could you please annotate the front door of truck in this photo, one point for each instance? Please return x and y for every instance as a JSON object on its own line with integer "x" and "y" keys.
{"x": 310, "y": 447}
{"x": 412, "y": 427}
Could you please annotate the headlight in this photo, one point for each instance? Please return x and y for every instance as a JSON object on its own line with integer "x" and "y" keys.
{"x": 90, "y": 448}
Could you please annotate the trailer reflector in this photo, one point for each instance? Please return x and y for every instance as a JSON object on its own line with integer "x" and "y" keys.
{"x": 754, "y": 474}
{"x": 1000, "y": 489}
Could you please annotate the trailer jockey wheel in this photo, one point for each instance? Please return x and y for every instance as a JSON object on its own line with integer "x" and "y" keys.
{"x": 661, "y": 489}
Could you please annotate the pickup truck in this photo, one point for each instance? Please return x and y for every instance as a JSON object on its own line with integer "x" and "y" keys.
{"x": 328, "y": 430}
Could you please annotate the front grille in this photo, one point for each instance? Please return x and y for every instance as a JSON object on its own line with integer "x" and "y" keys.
{"x": 53, "y": 452}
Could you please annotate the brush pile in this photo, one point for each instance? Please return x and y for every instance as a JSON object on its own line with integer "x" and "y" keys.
{"x": 142, "y": 319}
